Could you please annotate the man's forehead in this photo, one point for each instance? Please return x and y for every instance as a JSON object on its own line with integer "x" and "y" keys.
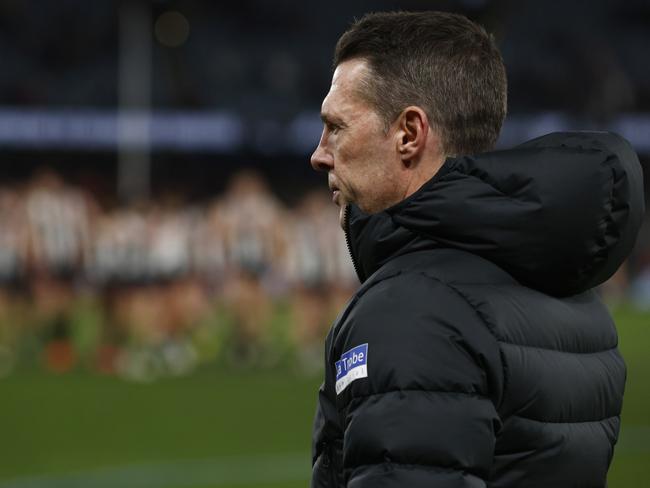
{"x": 343, "y": 95}
{"x": 350, "y": 73}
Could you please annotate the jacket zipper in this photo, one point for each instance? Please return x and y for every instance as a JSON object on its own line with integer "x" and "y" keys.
{"x": 346, "y": 232}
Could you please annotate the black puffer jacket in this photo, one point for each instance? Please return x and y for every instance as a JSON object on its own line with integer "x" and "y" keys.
{"x": 475, "y": 352}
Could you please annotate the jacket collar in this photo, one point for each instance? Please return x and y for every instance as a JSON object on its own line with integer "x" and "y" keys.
{"x": 559, "y": 213}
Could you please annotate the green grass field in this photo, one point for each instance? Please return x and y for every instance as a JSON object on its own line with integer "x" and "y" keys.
{"x": 216, "y": 428}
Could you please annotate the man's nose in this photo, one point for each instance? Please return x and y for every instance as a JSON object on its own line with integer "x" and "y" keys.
{"x": 320, "y": 160}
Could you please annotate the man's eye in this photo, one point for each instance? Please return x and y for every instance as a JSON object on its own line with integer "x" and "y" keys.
{"x": 333, "y": 128}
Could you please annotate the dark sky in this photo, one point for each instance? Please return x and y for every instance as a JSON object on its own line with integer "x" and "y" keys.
{"x": 272, "y": 58}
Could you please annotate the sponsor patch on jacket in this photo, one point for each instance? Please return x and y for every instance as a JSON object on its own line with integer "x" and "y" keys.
{"x": 353, "y": 365}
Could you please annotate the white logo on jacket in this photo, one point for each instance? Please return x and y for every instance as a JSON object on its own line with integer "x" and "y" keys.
{"x": 353, "y": 365}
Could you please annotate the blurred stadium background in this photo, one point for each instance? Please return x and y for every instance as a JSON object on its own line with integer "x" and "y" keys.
{"x": 169, "y": 263}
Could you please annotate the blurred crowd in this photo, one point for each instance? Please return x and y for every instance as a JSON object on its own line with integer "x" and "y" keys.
{"x": 161, "y": 287}
{"x": 158, "y": 288}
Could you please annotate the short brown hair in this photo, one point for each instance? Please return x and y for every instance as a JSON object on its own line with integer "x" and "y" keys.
{"x": 442, "y": 62}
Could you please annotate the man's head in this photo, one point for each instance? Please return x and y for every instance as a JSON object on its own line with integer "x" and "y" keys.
{"x": 408, "y": 90}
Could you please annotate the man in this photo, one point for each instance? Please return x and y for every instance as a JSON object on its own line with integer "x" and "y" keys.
{"x": 475, "y": 352}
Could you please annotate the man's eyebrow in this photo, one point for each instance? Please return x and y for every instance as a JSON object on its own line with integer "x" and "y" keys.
{"x": 331, "y": 119}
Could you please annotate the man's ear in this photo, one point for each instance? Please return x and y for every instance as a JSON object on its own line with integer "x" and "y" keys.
{"x": 411, "y": 135}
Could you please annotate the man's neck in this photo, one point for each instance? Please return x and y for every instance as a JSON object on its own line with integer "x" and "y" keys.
{"x": 422, "y": 174}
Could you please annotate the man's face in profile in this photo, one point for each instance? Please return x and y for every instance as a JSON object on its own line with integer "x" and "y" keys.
{"x": 359, "y": 155}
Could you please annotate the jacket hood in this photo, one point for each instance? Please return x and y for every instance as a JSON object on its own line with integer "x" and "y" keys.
{"x": 560, "y": 213}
